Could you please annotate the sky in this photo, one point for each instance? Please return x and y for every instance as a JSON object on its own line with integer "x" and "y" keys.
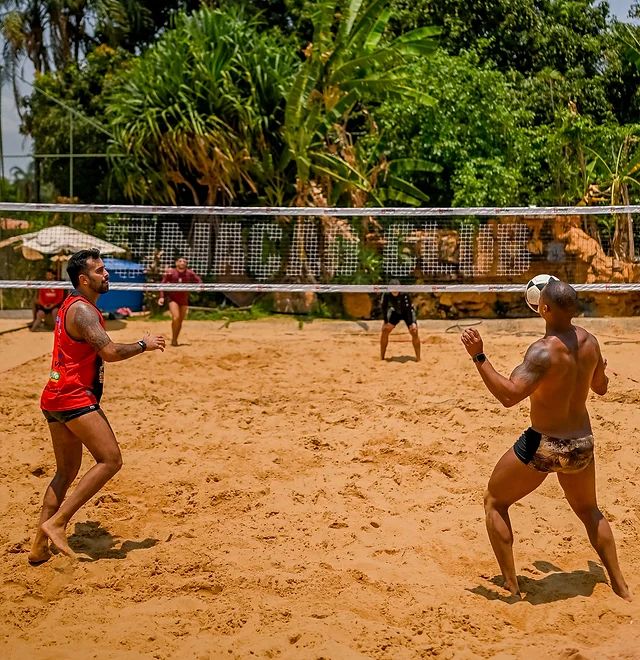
{"x": 620, "y": 8}
{"x": 16, "y": 144}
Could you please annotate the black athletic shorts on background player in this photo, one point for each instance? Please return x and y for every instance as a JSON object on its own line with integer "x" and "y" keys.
{"x": 394, "y": 317}
{"x": 398, "y": 308}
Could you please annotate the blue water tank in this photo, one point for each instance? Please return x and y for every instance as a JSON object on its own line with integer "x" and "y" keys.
{"x": 122, "y": 271}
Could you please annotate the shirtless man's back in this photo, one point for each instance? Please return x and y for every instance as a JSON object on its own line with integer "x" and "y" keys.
{"x": 558, "y": 404}
{"x": 557, "y": 373}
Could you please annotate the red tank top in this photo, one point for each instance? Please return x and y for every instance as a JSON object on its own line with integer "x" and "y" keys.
{"x": 76, "y": 375}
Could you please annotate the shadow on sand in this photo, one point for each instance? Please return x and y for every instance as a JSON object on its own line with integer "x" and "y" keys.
{"x": 93, "y": 541}
{"x": 556, "y": 585}
{"x": 401, "y": 358}
{"x": 115, "y": 324}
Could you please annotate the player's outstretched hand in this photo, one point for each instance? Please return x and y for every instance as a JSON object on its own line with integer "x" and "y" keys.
{"x": 153, "y": 342}
{"x": 472, "y": 341}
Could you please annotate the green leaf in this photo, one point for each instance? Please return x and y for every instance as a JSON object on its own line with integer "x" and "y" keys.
{"x": 411, "y": 165}
{"x": 397, "y": 184}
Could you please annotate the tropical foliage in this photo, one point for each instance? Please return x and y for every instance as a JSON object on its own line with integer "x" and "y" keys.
{"x": 199, "y": 115}
{"x": 320, "y": 102}
{"x": 66, "y": 113}
{"x": 349, "y": 67}
{"x": 54, "y": 34}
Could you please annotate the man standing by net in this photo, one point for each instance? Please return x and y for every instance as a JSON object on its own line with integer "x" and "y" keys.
{"x": 178, "y": 300}
{"x": 397, "y": 307}
{"x": 70, "y": 401}
{"x": 557, "y": 373}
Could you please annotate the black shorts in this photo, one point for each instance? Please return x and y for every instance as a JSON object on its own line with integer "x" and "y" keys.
{"x": 64, "y": 416}
{"x": 548, "y": 454}
{"x": 46, "y": 310}
{"x": 394, "y": 318}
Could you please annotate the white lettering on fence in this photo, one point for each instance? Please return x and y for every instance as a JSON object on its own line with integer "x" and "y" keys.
{"x": 262, "y": 249}
{"x": 399, "y": 254}
{"x": 228, "y": 255}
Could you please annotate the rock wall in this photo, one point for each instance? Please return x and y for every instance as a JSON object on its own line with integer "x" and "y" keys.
{"x": 558, "y": 245}
{"x": 511, "y": 305}
{"x": 491, "y": 305}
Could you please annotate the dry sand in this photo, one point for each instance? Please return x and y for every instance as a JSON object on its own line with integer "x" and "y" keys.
{"x": 286, "y": 494}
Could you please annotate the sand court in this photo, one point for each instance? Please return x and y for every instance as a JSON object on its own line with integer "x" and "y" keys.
{"x": 287, "y": 494}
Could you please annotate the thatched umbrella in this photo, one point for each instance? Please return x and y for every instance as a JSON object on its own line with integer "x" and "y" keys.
{"x": 59, "y": 240}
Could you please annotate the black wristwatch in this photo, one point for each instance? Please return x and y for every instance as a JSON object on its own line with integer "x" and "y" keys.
{"x": 143, "y": 345}
{"x": 479, "y": 358}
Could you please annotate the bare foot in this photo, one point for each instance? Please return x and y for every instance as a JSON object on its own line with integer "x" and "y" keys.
{"x": 57, "y": 535}
{"x": 621, "y": 590}
{"x": 513, "y": 588}
{"x": 174, "y": 343}
{"x": 39, "y": 553}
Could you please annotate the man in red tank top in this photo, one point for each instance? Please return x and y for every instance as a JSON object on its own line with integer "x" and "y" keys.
{"x": 178, "y": 300}
{"x": 70, "y": 401}
{"x": 47, "y": 302}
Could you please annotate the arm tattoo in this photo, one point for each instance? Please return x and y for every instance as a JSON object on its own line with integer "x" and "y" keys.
{"x": 89, "y": 329}
{"x": 535, "y": 364}
{"x": 124, "y": 351}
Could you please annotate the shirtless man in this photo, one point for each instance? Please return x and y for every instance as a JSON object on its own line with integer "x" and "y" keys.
{"x": 178, "y": 300}
{"x": 557, "y": 373}
{"x": 397, "y": 307}
{"x": 70, "y": 401}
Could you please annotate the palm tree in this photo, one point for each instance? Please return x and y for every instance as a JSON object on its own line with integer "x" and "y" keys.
{"x": 53, "y": 33}
{"x": 614, "y": 177}
{"x": 199, "y": 115}
{"x": 24, "y": 181}
{"x": 629, "y": 37}
{"x": 23, "y": 31}
{"x": 2, "y": 75}
{"x": 348, "y": 66}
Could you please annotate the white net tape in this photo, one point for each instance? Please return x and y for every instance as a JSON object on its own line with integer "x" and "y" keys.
{"x": 317, "y": 288}
{"x": 481, "y": 211}
{"x": 263, "y": 249}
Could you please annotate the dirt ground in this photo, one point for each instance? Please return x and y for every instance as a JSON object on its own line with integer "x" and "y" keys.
{"x": 287, "y": 494}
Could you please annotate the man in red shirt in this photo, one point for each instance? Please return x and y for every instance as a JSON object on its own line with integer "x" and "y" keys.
{"x": 70, "y": 401}
{"x": 47, "y": 302}
{"x": 178, "y": 300}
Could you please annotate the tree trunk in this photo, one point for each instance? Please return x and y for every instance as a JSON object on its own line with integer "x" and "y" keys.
{"x": 1, "y": 144}
{"x": 629, "y": 252}
{"x": 36, "y": 176}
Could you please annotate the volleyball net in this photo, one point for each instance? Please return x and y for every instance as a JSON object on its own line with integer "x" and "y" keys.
{"x": 328, "y": 249}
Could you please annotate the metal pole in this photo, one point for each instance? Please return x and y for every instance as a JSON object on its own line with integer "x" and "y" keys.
{"x": 70, "y": 155}
{"x": 1, "y": 134}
